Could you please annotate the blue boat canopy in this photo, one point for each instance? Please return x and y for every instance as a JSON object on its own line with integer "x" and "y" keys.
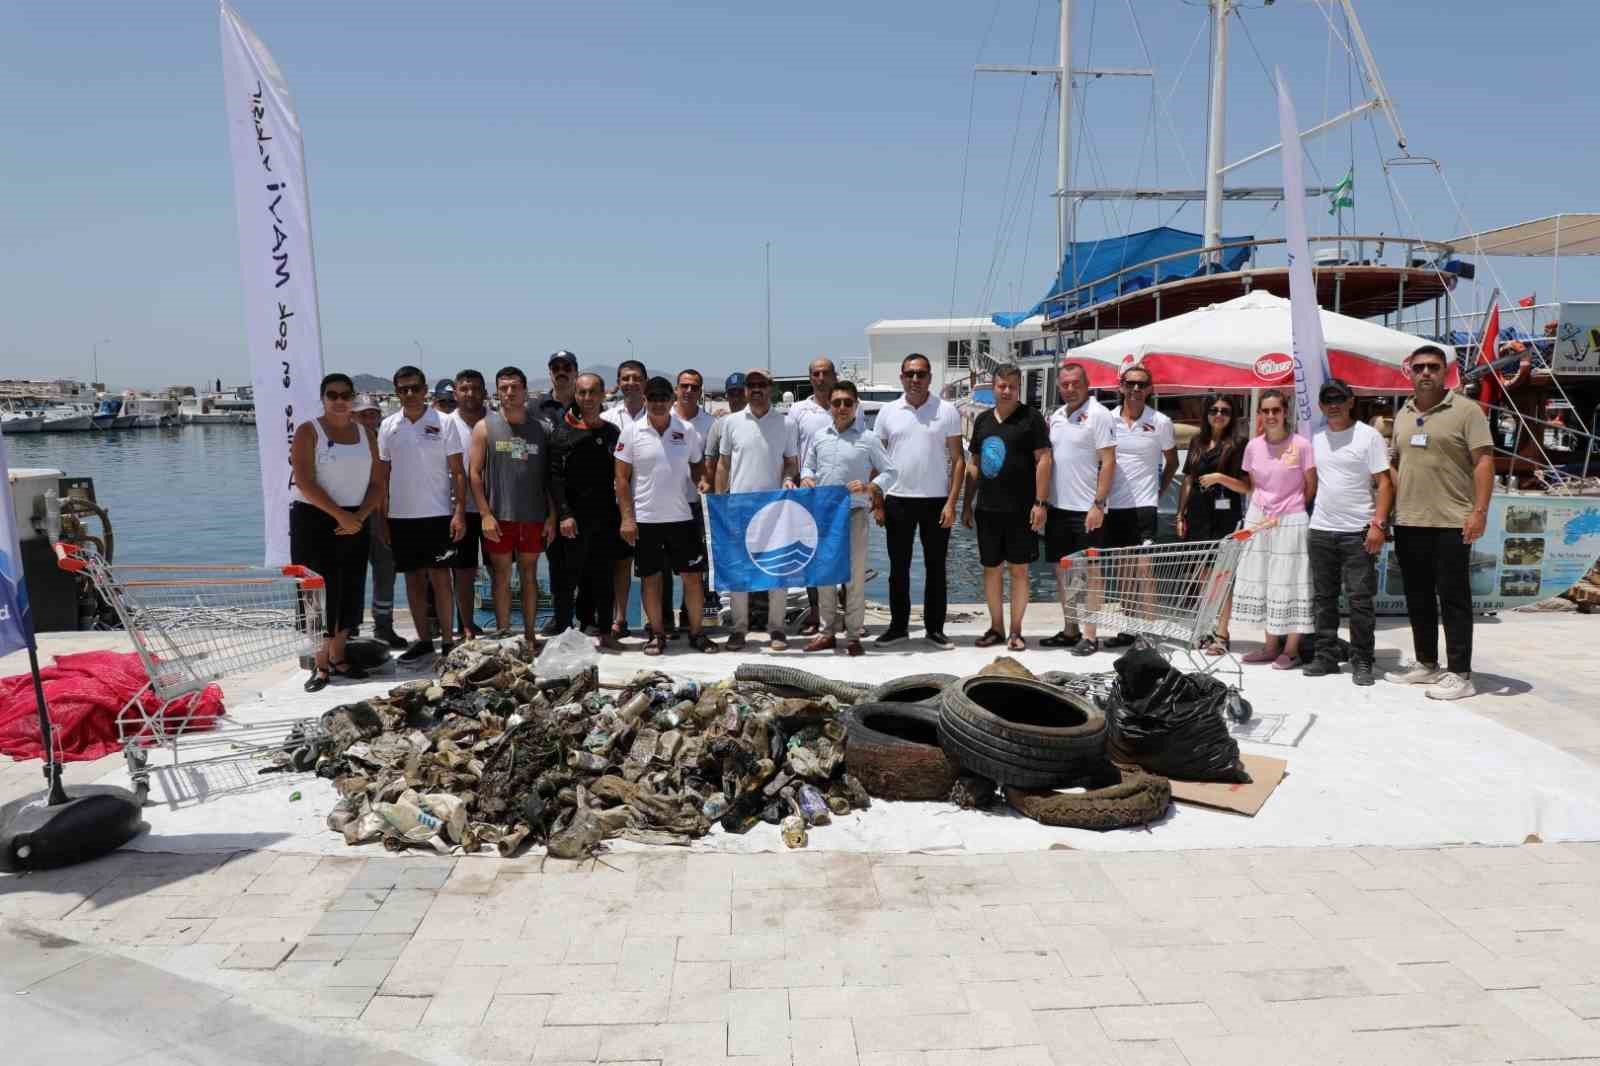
{"x": 1103, "y": 260}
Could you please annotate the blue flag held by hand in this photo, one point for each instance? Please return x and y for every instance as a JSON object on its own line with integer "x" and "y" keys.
{"x": 766, "y": 540}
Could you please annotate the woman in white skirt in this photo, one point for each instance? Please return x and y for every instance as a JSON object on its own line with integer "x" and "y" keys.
{"x": 1273, "y": 584}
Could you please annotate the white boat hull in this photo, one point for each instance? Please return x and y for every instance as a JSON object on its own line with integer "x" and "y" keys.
{"x": 208, "y": 418}
{"x": 69, "y": 424}
{"x": 13, "y": 426}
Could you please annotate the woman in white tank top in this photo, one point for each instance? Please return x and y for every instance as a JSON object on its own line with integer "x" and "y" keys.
{"x": 334, "y": 489}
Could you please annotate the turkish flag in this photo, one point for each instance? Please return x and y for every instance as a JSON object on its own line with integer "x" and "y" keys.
{"x": 1489, "y": 391}
{"x": 1526, "y": 301}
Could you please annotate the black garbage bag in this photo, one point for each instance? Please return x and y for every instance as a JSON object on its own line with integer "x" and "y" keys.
{"x": 1171, "y": 723}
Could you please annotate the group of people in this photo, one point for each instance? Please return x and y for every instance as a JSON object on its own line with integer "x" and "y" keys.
{"x": 610, "y": 494}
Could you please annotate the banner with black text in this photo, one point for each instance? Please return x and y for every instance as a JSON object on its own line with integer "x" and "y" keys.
{"x": 282, "y": 323}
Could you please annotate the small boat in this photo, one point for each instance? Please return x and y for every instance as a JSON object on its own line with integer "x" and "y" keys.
{"x": 14, "y": 422}
{"x": 111, "y": 415}
{"x": 203, "y": 411}
{"x": 151, "y": 412}
{"x": 69, "y": 418}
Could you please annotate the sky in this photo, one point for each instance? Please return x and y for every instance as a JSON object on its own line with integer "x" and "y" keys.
{"x": 492, "y": 181}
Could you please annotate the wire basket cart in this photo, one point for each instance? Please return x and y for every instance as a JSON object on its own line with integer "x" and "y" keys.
{"x": 193, "y": 625}
{"x": 1171, "y": 594}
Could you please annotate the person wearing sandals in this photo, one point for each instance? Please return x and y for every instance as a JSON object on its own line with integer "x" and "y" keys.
{"x": 1209, "y": 510}
{"x": 655, "y": 455}
{"x": 1347, "y": 530}
{"x": 335, "y": 461}
{"x": 582, "y": 488}
{"x": 509, "y": 465}
{"x": 1273, "y": 583}
{"x": 1008, "y": 481}
{"x": 1083, "y": 461}
{"x": 759, "y": 454}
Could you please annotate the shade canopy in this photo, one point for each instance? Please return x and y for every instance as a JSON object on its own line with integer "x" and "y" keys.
{"x": 1245, "y": 343}
{"x": 1568, "y": 234}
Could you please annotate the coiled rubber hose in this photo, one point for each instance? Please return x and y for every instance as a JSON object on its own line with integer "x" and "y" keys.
{"x": 802, "y": 680}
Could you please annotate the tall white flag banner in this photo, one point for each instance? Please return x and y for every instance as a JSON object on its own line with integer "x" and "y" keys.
{"x": 284, "y": 329}
{"x": 1310, "y": 352}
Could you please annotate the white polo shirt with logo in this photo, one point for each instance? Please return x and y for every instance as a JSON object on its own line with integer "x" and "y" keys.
{"x": 756, "y": 449}
{"x": 660, "y": 461}
{"x": 918, "y": 440}
{"x": 1075, "y": 441}
{"x": 1140, "y": 450}
{"x": 702, "y": 423}
{"x": 618, "y": 415}
{"x": 418, "y": 454}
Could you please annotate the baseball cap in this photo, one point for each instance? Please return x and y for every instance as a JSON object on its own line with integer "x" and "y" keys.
{"x": 757, "y": 372}
{"x": 563, "y": 356}
{"x": 658, "y": 388}
{"x": 1335, "y": 391}
{"x": 735, "y": 381}
{"x": 444, "y": 390}
{"x": 364, "y": 403}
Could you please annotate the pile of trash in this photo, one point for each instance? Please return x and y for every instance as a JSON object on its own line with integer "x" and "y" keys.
{"x": 491, "y": 754}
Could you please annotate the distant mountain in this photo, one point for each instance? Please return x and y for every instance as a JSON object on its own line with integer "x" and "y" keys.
{"x": 372, "y": 383}
{"x": 538, "y": 378}
{"x": 540, "y": 381}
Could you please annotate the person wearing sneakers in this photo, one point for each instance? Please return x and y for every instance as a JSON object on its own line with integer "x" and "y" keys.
{"x": 425, "y": 482}
{"x": 655, "y": 455}
{"x": 1083, "y": 449}
{"x": 1147, "y": 457}
{"x": 845, "y": 454}
{"x": 470, "y": 394}
{"x": 582, "y": 472}
{"x": 510, "y": 458}
{"x": 550, "y": 409}
{"x": 758, "y": 455}
{"x": 806, "y": 419}
{"x": 922, "y": 434}
{"x": 1346, "y": 532}
{"x": 631, "y": 375}
{"x": 380, "y": 557}
{"x": 1443, "y": 461}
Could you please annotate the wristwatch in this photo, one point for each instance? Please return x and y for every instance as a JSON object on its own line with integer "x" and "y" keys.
{"x": 1100, "y": 504}
{"x": 1041, "y": 503}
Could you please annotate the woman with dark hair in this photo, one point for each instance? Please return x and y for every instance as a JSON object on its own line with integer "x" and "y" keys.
{"x": 335, "y": 460}
{"x": 1207, "y": 508}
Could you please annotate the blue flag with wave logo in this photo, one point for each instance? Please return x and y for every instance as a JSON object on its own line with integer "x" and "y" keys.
{"x": 16, "y": 628}
{"x": 796, "y": 538}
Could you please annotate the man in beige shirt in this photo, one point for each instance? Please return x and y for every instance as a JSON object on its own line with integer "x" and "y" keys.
{"x": 1442, "y": 456}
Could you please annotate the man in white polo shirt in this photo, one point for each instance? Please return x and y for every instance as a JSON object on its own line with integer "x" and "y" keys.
{"x": 922, "y": 434}
{"x": 1083, "y": 445}
{"x": 758, "y": 455}
{"x": 655, "y": 455}
{"x": 425, "y": 482}
{"x": 690, "y": 387}
{"x": 631, "y": 376}
{"x": 1147, "y": 457}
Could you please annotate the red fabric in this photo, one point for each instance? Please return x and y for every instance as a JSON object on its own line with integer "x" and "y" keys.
{"x": 1526, "y": 301}
{"x": 1489, "y": 388}
{"x": 84, "y": 692}
{"x": 1182, "y": 372}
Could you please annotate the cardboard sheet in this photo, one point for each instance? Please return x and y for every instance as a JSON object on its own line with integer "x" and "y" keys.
{"x": 1265, "y": 773}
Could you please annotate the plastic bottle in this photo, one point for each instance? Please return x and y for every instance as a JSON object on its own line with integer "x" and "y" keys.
{"x": 794, "y": 831}
{"x": 813, "y": 807}
{"x": 715, "y": 806}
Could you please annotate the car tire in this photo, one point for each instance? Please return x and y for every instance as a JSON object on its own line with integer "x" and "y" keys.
{"x": 1027, "y": 734}
{"x": 893, "y": 750}
{"x": 1135, "y": 798}
{"x": 913, "y": 688}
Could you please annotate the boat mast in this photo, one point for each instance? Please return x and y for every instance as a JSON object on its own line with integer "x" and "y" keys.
{"x": 1064, "y": 134}
{"x": 1215, "y": 128}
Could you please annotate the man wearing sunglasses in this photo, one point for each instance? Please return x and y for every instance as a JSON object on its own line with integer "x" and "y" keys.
{"x": 922, "y": 434}
{"x": 844, "y": 454}
{"x": 806, "y": 419}
{"x": 1083, "y": 464}
{"x": 1147, "y": 457}
{"x": 758, "y": 455}
{"x": 1443, "y": 460}
{"x": 425, "y": 482}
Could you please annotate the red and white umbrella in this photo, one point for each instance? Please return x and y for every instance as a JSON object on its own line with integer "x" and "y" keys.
{"x": 1245, "y": 344}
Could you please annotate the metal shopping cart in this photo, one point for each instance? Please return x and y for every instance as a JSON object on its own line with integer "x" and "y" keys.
{"x": 191, "y": 626}
{"x": 1172, "y": 594}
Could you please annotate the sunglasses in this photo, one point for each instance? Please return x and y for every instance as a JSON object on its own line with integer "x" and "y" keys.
{"x": 842, "y": 402}
{"x": 568, "y": 367}
{"x": 1136, "y": 384}
{"x": 406, "y": 390}
{"x": 916, "y": 374}
{"x": 1427, "y": 368}
{"x": 337, "y": 395}
{"x": 1221, "y": 411}
{"x": 757, "y": 384}
{"x": 1271, "y": 410}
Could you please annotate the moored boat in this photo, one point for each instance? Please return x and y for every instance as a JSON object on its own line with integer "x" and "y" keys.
{"x": 69, "y": 418}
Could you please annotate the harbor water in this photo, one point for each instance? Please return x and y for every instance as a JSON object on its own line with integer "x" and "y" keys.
{"x": 193, "y": 494}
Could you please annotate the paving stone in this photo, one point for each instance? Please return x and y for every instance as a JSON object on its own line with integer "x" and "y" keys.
{"x": 758, "y": 1022}
{"x": 822, "y": 1042}
{"x": 343, "y": 923}
{"x": 322, "y": 948}
{"x": 464, "y": 996}
{"x": 1582, "y": 1000}
{"x": 359, "y": 899}
{"x": 257, "y": 956}
{"x": 1289, "y": 984}
{"x": 566, "y": 1044}
{"x": 614, "y": 1007}
{"x": 394, "y": 1012}
{"x": 1158, "y": 1021}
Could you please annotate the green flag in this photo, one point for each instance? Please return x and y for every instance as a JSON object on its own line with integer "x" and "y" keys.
{"x": 1344, "y": 193}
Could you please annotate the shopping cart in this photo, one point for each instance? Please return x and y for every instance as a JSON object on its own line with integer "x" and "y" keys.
{"x": 1171, "y": 594}
{"x": 191, "y": 626}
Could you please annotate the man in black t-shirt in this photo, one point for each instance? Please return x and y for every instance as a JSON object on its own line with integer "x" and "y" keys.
{"x": 1008, "y": 480}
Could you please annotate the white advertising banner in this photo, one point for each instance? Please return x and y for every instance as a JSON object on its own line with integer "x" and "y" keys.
{"x": 281, "y": 319}
{"x": 1310, "y": 352}
{"x": 1577, "y": 346}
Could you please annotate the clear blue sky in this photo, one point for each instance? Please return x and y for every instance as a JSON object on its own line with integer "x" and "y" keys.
{"x": 496, "y": 180}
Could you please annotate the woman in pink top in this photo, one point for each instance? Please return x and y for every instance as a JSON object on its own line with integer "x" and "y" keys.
{"x": 1273, "y": 584}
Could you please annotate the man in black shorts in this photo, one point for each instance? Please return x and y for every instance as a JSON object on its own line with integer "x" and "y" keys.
{"x": 1008, "y": 480}
{"x": 656, "y": 455}
{"x": 1083, "y": 459}
{"x": 1147, "y": 456}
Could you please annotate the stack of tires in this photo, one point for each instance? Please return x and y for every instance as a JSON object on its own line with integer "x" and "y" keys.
{"x": 914, "y": 737}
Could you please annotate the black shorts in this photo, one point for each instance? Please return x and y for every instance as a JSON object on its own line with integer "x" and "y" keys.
{"x": 1127, "y": 527}
{"x": 1064, "y": 534}
{"x": 674, "y": 546}
{"x": 421, "y": 543}
{"x": 466, "y": 555}
{"x": 1006, "y": 537}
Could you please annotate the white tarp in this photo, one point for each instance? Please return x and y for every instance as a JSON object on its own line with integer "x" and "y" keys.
{"x": 282, "y": 322}
{"x": 1310, "y": 353}
{"x": 1245, "y": 343}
